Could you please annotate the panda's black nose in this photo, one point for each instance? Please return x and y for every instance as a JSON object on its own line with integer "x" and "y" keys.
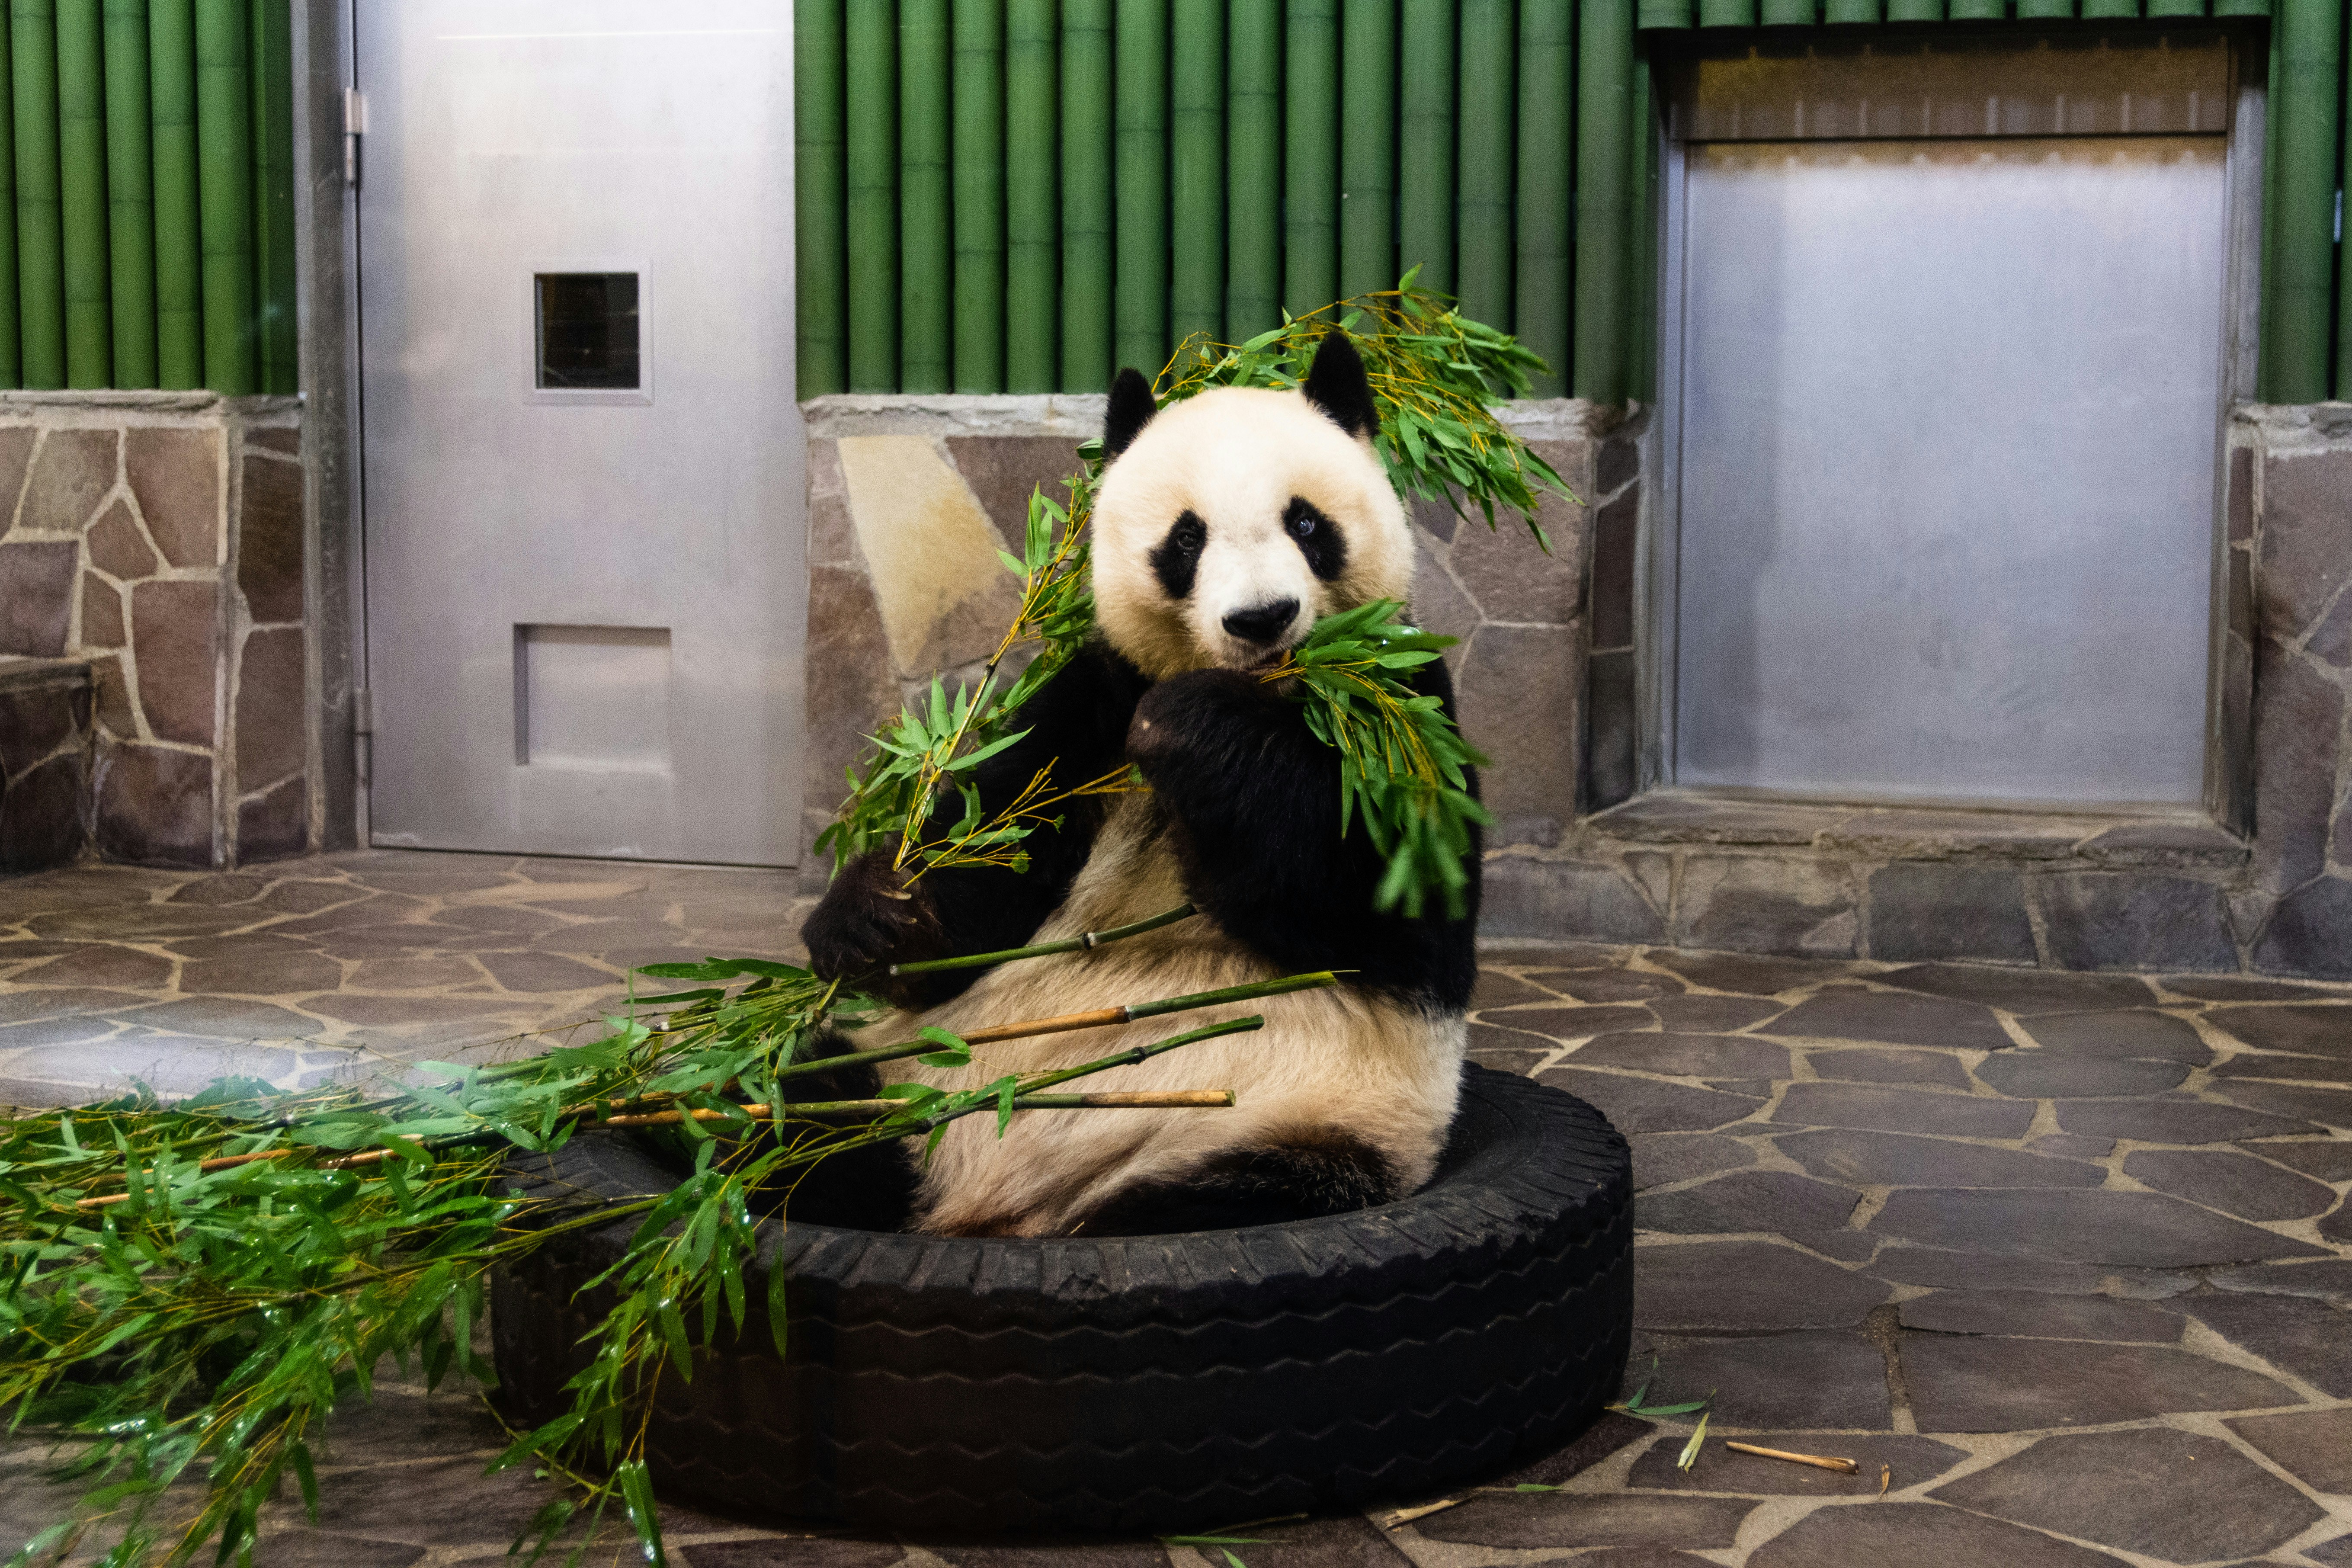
{"x": 1264, "y": 623}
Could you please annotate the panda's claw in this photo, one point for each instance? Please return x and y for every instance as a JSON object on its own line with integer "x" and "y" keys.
{"x": 869, "y": 918}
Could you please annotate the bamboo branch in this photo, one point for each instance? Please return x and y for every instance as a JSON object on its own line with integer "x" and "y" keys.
{"x": 1135, "y": 1100}
{"x": 1819, "y": 1461}
{"x": 1092, "y": 939}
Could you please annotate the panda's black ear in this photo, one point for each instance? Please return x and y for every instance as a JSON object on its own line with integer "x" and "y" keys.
{"x": 1132, "y": 408}
{"x": 1337, "y": 384}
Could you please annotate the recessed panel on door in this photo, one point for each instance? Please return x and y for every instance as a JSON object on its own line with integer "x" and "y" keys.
{"x": 582, "y": 459}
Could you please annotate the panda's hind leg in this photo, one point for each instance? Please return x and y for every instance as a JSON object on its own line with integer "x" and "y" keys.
{"x": 1302, "y": 1174}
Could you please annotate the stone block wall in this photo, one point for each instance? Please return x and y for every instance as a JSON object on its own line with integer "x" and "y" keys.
{"x": 158, "y": 538}
{"x": 45, "y": 744}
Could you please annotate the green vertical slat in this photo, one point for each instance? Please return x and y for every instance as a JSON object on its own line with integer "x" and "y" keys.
{"x": 871, "y": 110}
{"x": 2043, "y": 10}
{"x": 1483, "y": 263}
{"x": 2242, "y": 7}
{"x": 820, "y": 286}
{"x": 273, "y": 195}
{"x": 1665, "y": 12}
{"x": 2302, "y": 217}
{"x": 1196, "y": 170}
{"x": 1727, "y": 12}
{"x": 81, "y": 188}
{"x": 1997, "y": 10}
{"x": 1087, "y": 348}
{"x": 1604, "y": 94}
{"x": 1141, "y": 104}
{"x": 2109, "y": 9}
{"x": 1368, "y": 110}
{"x": 1915, "y": 10}
{"x": 11, "y": 360}
{"x": 1310, "y": 160}
{"x": 2344, "y": 253}
{"x": 926, "y": 234}
{"x": 130, "y": 192}
{"x": 1642, "y": 294}
{"x": 1033, "y": 238}
{"x": 1864, "y": 12}
{"x": 1425, "y": 144}
{"x": 2155, "y": 7}
{"x": 1794, "y": 12}
{"x": 1547, "y": 167}
{"x": 225, "y": 193}
{"x": 40, "y": 241}
{"x": 1254, "y": 168}
{"x": 179, "y": 251}
{"x": 978, "y": 195}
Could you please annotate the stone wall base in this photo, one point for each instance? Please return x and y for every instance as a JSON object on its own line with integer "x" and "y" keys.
{"x": 45, "y": 748}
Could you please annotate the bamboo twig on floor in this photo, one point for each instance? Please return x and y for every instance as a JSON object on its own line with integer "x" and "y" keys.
{"x": 1819, "y": 1461}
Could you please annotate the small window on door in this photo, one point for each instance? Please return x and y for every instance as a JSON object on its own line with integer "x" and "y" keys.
{"x": 588, "y": 331}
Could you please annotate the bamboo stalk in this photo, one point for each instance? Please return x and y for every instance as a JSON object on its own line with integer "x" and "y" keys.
{"x": 1425, "y": 144}
{"x": 1547, "y": 167}
{"x": 130, "y": 192}
{"x": 1484, "y": 197}
{"x": 926, "y": 199}
{"x": 81, "y": 160}
{"x": 178, "y": 257}
{"x": 1196, "y": 160}
{"x": 40, "y": 240}
{"x": 820, "y": 247}
{"x": 1368, "y": 118}
{"x": 225, "y": 193}
{"x": 978, "y": 154}
{"x": 1311, "y": 196}
{"x": 1072, "y": 945}
{"x": 1033, "y": 221}
{"x": 1253, "y": 169}
{"x": 1085, "y": 196}
{"x": 1818, "y": 1462}
{"x": 272, "y": 81}
{"x": 870, "y": 223}
{"x": 1140, "y": 233}
{"x": 11, "y": 361}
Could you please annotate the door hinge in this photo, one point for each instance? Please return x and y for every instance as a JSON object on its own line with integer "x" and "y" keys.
{"x": 363, "y": 711}
{"x": 354, "y": 127}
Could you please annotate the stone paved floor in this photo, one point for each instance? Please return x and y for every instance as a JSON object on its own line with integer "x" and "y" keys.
{"x": 2069, "y": 1254}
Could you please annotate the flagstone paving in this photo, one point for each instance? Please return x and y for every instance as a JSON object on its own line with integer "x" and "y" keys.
{"x": 2069, "y": 1255}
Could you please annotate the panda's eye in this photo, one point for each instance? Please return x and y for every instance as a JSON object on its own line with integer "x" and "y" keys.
{"x": 1325, "y": 547}
{"x": 1188, "y": 535}
{"x": 1302, "y": 524}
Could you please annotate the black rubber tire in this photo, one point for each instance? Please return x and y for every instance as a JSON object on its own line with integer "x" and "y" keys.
{"x": 1148, "y": 1383}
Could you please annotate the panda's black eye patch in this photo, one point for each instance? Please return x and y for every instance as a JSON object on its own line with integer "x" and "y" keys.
{"x": 1178, "y": 556}
{"x": 1326, "y": 552}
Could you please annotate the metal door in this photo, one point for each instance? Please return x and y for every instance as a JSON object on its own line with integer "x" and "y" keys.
{"x": 581, "y": 460}
{"x": 1948, "y": 430}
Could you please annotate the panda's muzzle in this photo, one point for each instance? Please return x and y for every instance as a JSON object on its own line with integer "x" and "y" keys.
{"x": 1263, "y": 624}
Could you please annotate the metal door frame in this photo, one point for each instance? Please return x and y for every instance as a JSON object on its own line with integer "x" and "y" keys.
{"x": 2229, "y": 792}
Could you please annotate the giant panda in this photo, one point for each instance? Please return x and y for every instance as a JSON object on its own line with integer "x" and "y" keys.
{"x": 1222, "y": 527}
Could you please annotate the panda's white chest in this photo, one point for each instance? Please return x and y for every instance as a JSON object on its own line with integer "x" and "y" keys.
{"x": 1386, "y": 1072}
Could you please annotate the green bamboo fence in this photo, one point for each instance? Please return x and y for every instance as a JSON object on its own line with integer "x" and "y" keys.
{"x": 147, "y": 195}
{"x": 1130, "y": 171}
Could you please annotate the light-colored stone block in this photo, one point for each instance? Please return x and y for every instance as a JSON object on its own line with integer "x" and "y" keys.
{"x": 944, "y": 596}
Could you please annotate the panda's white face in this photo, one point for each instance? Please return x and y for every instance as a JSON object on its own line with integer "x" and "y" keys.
{"x": 1234, "y": 520}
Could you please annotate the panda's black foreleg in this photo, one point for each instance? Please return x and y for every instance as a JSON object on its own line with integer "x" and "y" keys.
{"x": 876, "y": 913}
{"x": 1254, "y": 797}
{"x": 862, "y": 1189}
{"x": 1309, "y": 1174}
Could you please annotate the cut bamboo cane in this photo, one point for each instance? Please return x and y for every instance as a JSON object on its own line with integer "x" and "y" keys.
{"x": 179, "y": 254}
{"x": 926, "y": 228}
{"x": 225, "y": 193}
{"x": 1819, "y": 1461}
{"x": 1253, "y": 169}
{"x": 40, "y": 240}
{"x": 130, "y": 192}
{"x": 2300, "y": 255}
{"x": 1072, "y": 944}
{"x": 1141, "y": 237}
{"x": 1135, "y": 1099}
{"x": 1547, "y": 165}
{"x": 1033, "y": 239}
{"x": 82, "y": 185}
{"x": 979, "y": 161}
{"x": 1085, "y": 196}
{"x": 820, "y": 258}
{"x": 1484, "y": 203}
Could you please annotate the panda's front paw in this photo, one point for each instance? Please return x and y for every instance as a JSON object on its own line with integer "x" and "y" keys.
{"x": 1186, "y": 712}
{"x": 871, "y": 918}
